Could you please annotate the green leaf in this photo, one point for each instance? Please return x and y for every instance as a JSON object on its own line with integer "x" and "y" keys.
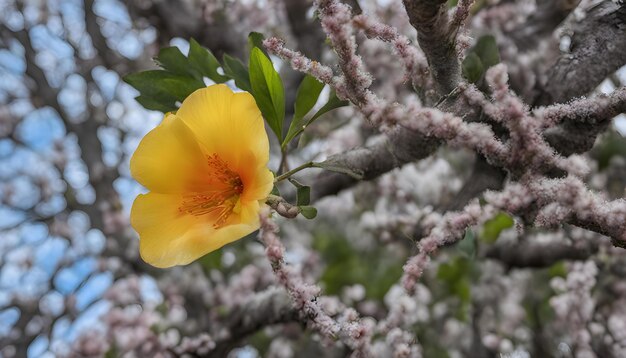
{"x": 261, "y": 341}
{"x": 160, "y": 90}
{"x": 558, "y": 269}
{"x": 333, "y": 103}
{"x": 149, "y": 103}
{"x": 303, "y": 192}
{"x": 212, "y": 260}
{"x": 255, "y": 39}
{"x": 462, "y": 290}
{"x": 472, "y": 67}
{"x": 172, "y": 60}
{"x": 480, "y": 57}
{"x": 303, "y": 195}
{"x": 456, "y": 276}
{"x": 468, "y": 246}
{"x": 377, "y": 269}
{"x": 275, "y": 190}
{"x": 493, "y": 227}
{"x": 236, "y": 70}
{"x": 308, "y": 212}
{"x": 268, "y": 91}
{"x": 203, "y": 61}
{"x": 308, "y": 93}
{"x": 453, "y": 270}
{"x": 111, "y": 353}
{"x": 487, "y": 50}
{"x": 607, "y": 147}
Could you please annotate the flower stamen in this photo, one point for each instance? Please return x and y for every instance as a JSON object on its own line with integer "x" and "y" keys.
{"x": 218, "y": 201}
{"x": 224, "y": 174}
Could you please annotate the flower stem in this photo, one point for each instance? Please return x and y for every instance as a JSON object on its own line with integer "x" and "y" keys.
{"x": 283, "y": 161}
{"x": 293, "y": 171}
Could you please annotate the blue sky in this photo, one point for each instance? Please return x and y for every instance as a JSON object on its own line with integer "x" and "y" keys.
{"x": 39, "y": 130}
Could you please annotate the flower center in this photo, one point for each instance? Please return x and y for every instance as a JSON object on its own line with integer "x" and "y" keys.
{"x": 221, "y": 199}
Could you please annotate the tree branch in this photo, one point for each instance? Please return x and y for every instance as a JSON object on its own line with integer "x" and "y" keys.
{"x": 109, "y": 57}
{"x": 529, "y": 253}
{"x": 582, "y": 121}
{"x": 263, "y": 309}
{"x": 578, "y": 72}
{"x": 541, "y": 23}
{"x": 484, "y": 177}
{"x": 400, "y": 147}
{"x": 436, "y": 35}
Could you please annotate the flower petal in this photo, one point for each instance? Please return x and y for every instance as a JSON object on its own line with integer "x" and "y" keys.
{"x": 259, "y": 187}
{"x": 227, "y": 123}
{"x": 168, "y": 238}
{"x": 169, "y": 159}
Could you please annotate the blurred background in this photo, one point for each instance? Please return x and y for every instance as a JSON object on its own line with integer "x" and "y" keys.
{"x": 71, "y": 280}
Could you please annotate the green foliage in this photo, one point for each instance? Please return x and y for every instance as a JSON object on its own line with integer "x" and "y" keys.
{"x": 333, "y": 103}
{"x": 303, "y": 192}
{"x": 480, "y": 57}
{"x": 377, "y": 271}
{"x": 236, "y": 70}
{"x": 431, "y": 348}
{"x": 172, "y": 60}
{"x": 303, "y": 198}
{"x": 308, "y": 93}
{"x": 203, "y": 61}
{"x": 212, "y": 260}
{"x": 241, "y": 250}
{"x": 468, "y": 246}
{"x": 494, "y": 226}
{"x": 299, "y": 123}
{"x": 537, "y": 302}
{"x": 611, "y": 145}
{"x": 275, "y": 191}
{"x": 308, "y": 212}
{"x": 178, "y": 77}
{"x": 538, "y": 311}
{"x": 160, "y": 90}
{"x": 268, "y": 91}
{"x": 472, "y": 67}
{"x": 557, "y": 269}
{"x": 261, "y": 341}
{"x": 255, "y": 39}
{"x": 112, "y": 352}
{"x": 487, "y": 49}
{"x": 456, "y": 276}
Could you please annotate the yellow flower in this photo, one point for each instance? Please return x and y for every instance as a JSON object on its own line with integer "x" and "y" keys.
{"x": 206, "y": 169}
